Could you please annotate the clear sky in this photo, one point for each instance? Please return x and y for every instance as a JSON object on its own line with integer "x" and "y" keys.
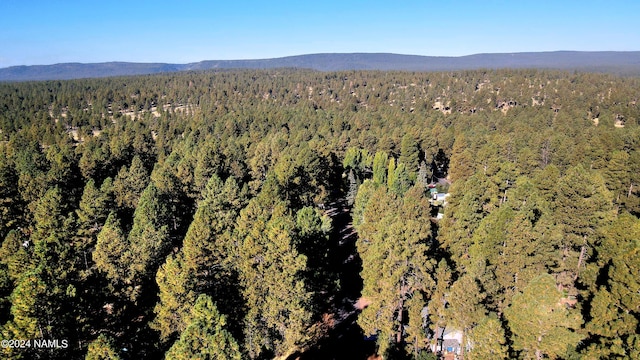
{"x": 56, "y": 31}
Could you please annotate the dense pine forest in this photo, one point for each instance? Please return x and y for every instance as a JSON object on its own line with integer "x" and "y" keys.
{"x": 285, "y": 214}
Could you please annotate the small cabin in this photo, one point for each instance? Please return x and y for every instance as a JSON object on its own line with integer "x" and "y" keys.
{"x": 449, "y": 343}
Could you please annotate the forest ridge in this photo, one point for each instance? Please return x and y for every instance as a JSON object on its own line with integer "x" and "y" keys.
{"x": 282, "y": 214}
{"x": 623, "y": 63}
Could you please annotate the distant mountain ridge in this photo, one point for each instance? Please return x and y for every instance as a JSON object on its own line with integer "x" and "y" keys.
{"x": 619, "y": 62}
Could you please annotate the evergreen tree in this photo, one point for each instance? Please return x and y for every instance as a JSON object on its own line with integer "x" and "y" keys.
{"x": 513, "y": 244}
{"x": 488, "y": 340}
{"x": 461, "y": 165}
{"x": 541, "y": 324}
{"x": 393, "y": 242}
{"x": 25, "y": 313}
{"x": 130, "y": 183}
{"x": 63, "y": 172}
{"x": 358, "y": 160}
{"x": 437, "y": 304}
{"x": 92, "y": 212}
{"x": 546, "y": 181}
{"x": 410, "y": 155}
{"x": 176, "y": 296}
{"x": 110, "y": 254}
{"x": 271, "y": 269}
{"x": 537, "y": 189}
{"x": 203, "y": 265}
{"x": 465, "y": 309}
{"x": 31, "y": 166}
{"x": 101, "y": 349}
{"x": 470, "y": 201}
{"x": 148, "y": 240}
{"x": 380, "y": 165}
{"x": 617, "y": 176}
{"x": 94, "y": 159}
{"x": 391, "y": 173}
{"x": 353, "y": 188}
{"x": 365, "y": 191}
{"x": 54, "y": 260}
{"x": 14, "y": 254}
{"x": 207, "y": 244}
{"x": 415, "y": 326}
{"x": 314, "y": 229}
{"x": 615, "y": 307}
{"x": 424, "y": 174}
{"x": 632, "y": 201}
{"x": 205, "y": 336}
{"x": 11, "y": 204}
{"x": 585, "y": 205}
{"x": 401, "y": 181}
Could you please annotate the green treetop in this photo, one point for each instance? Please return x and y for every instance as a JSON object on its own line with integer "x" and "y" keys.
{"x": 541, "y": 324}
{"x": 205, "y": 336}
{"x": 410, "y": 155}
{"x": 101, "y": 349}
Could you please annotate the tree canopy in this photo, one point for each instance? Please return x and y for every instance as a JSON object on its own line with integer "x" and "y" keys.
{"x": 277, "y": 213}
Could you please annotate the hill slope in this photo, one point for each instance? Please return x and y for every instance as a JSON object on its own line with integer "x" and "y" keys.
{"x": 626, "y": 63}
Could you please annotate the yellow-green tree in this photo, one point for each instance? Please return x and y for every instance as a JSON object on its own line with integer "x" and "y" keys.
{"x": 615, "y": 307}
{"x": 488, "y": 340}
{"x": 584, "y": 204}
{"x": 410, "y": 155}
{"x": 465, "y": 309}
{"x": 394, "y": 238}
{"x": 205, "y": 336}
{"x": 542, "y": 325}
{"x": 203, "y": 265}
{"x": 130, "y": 183}
{"x": 110, "y": 250}
{"x": 380, "y": 165}
{"x": 101, "y": 349}
{"x": 92, "y": 212}
{"x": 271, "y": 270}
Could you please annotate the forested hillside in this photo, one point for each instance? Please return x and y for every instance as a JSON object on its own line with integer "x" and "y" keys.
{"x": 625, "y": 63}
{"x": 283, "y": 214}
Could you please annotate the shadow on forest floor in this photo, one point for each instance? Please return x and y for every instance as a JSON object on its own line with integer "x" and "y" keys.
{"x": 346, "y": 339}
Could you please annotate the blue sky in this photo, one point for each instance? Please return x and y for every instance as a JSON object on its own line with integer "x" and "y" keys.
{"x": 55, "y": 31}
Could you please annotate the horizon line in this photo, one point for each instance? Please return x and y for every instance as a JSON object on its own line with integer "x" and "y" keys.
{"x": 324, "y": 53}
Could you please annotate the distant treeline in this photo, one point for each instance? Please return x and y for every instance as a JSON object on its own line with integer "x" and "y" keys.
{"x": 626, "y": 63}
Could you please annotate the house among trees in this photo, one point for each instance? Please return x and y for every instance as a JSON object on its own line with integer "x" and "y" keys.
{"x": 448, "y": 343}
{"x": 437, "y": 198}
{"x": 441, "y": 197}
